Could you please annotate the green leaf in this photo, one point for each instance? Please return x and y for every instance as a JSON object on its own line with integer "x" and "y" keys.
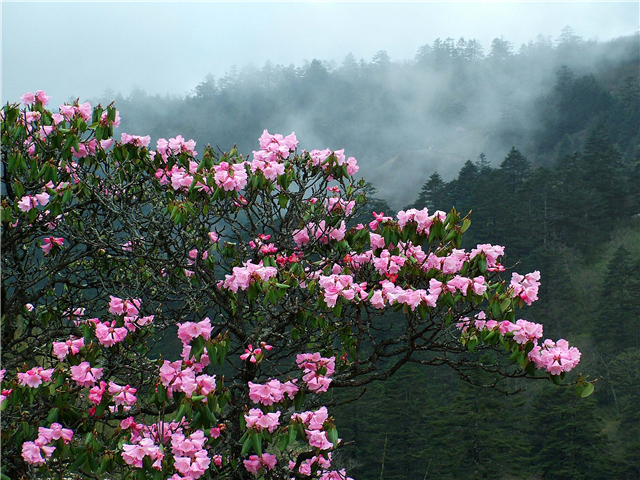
{"x": 256, "y": 441}
{"x": 482, "y": 264}
{"x": 332, "y": 435}
{"x": 93, "y": 464}
{"x": 284, "y": 443}
{"x": 161, "y": 393}
{"x": 588, "y": 390}
{"x": 79, "y": 460}
{"x": 246, "y": 446}
{"x": 506, "y": 303}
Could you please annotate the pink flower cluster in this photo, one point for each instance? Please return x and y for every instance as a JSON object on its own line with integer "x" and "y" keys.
{"x": 190, "y": 457}
{"x": 259, "y": 420}
{"x": 32, "y": 451}
{"x": 335, "y": 475}
{"x": 555, "y": 357}
{"x": 133, "y": 453}
{"x": 378, "y": 219}
{"x": 84, "y": 110}
{"x": 341, "y": 286}
{"x": 178, "y": 379}
{"x": 29, "y": 98}
{"x": 136, "y": 140}
{"x": 395, "y": 294}
{"x": 273, "y": 149}
{"x": 319, "y": 157}
{"x": 62, "y": 349}
{"x": 458, "y": 284}
{"x": 122, "y": 395}
{"x": 50, "y": 242}
{"x": 96, "y": 392}
{"x": 85, "y": 148}
{"x": 255, "y": 463}
{"x": 272, "y": 392}
{"x": 317, "y": 370}
{"x": 387, "y": 263}
{"x": 306, "y": 466}
{"x": 115, "y": 122}
{"x": 231, "y": 176}
{"x": 255, "y": 355}
{"x": 35, "y": 377}
{"x": 175, "y": 146}
{"x": 281, "y": 146}
{"x": 84, "y": 375}
{"x": 108, "y": 333}
{"x": 526, "y": 287}
{"x": 189, "y": 330}
{"x": 339, "y": 206}
{"x": 243, "y": 276}
{"x": 491, "y": 252}
{"x": 265, "y": 248}
{"x": 314, "y": 424}
{"x": 321, "y": 231}
{"x": 118, "y": 306}
{"x": 28, "y": 202}
{"x": 421, "y": 218}
{"x": 179, "y": 176}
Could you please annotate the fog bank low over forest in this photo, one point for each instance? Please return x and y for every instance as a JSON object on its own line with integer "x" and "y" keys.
{"x": 454, "y": 100}
{"x": 558, "y": 183}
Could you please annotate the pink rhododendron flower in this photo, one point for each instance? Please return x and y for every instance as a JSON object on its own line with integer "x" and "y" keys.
{"x": 189, "y": 330}
{"x": 108, "y": 334}
{"x": 105, "y": 144}
{"x": 32, "y": 453}
{"x": 525, "y": 287}
{"x": 254, "y": 463}
{"x": 118, "y": 306}
{"x": 318, "y": 439}
{"x": 555, "y": 357}
{"x": 136, "y": 140}
{"x": 62, "y": 349}
{"x": 35, "y": 377}
{"x": 122, "y": 395}
{"x": 317, "y": 370}
{"x": 84, "y": 375}
{"x": 50, "y": 242}
{"x": 28, "y": 98}
{"x": 96, "y": 392}
{"x": 42, "y": 97}
{"x": 27, "y": 202}
{"x": 85, "y": 111}
{"x": 259, "y": 420}
{"x": 54, "y": 432}
{"x": 231, "y": 176}
{"x": 243, "y": 276}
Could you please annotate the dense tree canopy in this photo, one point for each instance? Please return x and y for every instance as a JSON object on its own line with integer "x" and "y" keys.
{"x": 110, "y": 249}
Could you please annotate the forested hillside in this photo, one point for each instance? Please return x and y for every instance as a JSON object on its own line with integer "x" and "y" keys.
{"x": 542, "y": 144}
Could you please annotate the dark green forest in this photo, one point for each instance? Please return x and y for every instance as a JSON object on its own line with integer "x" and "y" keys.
{"x": 542, "y": 144}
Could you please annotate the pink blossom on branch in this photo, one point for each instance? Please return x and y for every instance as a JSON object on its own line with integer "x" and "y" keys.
{"x": 35, "y": 377}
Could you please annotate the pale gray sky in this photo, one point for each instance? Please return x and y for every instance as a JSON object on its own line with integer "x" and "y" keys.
{"x": 82, "y": 48}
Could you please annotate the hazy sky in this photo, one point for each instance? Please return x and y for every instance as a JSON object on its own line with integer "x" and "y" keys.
{"x": 82, "y": 48}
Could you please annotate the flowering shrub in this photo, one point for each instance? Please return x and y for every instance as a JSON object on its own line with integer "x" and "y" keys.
{"x": 253, "y": 266}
